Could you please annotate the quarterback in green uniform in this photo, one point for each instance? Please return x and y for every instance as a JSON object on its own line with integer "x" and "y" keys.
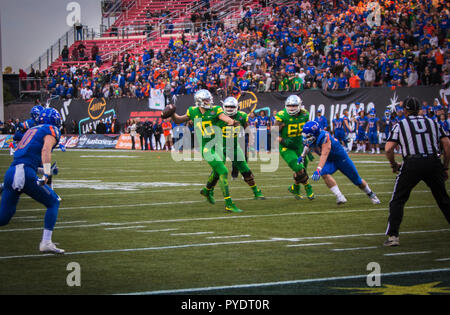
{"x": 233, "y": 150}
{"x": 205, "y": 116}
{"x": 290, "y": 122}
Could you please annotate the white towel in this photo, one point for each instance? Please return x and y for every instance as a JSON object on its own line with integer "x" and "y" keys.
{"x": 19, "y": 178}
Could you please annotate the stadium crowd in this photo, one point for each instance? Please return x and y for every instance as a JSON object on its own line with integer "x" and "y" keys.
{"x": 310, "y": 45}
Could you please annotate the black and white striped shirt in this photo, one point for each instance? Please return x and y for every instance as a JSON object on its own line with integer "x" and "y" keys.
{"x": 418, "y": 135}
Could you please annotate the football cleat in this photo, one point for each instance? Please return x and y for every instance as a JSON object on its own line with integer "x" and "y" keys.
{"x": 49, "y": 247}
{"x": 295, "y": 193}
{"x": 374, "y": 199}
{"x": 259, "y": 195}
{"x": 341, "y": 200}
{"x": 232, "y": 208}
{"x": 392, "y": 241}
{"x": 209, "y": 195}
{"x": 309, "y": 192}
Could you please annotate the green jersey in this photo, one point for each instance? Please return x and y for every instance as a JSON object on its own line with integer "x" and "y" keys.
{"x": 203, "y": 123}
{"x": 293, "y": 127}
{"x": 231, "y": 131}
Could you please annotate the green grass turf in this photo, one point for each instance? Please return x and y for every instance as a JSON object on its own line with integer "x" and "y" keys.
{"x": 256, "y": 249}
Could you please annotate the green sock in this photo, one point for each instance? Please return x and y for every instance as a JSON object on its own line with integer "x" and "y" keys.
{"x": 228, "y": 201}
{"x": 296, "y": 188}
{"x": 223, "y": 180}
{"x": 254, "y": 188}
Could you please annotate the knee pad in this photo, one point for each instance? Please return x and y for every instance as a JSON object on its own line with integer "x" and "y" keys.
{"x": 301, "y": 177}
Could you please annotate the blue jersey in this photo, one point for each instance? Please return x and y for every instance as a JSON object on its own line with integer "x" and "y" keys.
{"x": 345, "y": 119}
{"x": 387, "y": 125}
{"x": 337, "y": 150}
{"x": 263, "y": 122}
{"x": 252, "y": 122}
{"x": 338, "y": 124}
{"x": 323, "y": 123}
{"x": 30, "y": 123}
{"x": 337, "y": 159}
{"x": 361, "y": 123}
{"x": 30, "y": 147}
{"x": 373, "y": 124}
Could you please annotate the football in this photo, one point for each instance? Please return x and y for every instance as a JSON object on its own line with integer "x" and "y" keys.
{"x": 168, "y": 111}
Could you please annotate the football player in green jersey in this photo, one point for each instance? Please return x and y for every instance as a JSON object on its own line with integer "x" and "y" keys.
{"x": 205, "y": 117}
{"x": 233, "y": 150}
{"x": 290, "y": 122}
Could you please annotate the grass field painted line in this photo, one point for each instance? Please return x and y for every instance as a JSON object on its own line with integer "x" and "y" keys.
{"x": 125, "y": 227}
{"x": 154, "y": 231}
{"x": 310, "y": 244}
{"x": 106, "y": 251}
{"x": 193, "y": 233}
{"x": 408, "y": 253}
{"x": 442, "y": 259}
{"x": 350, "y": 249}
{"x": 228, "y": 236}
{"x": 232, "y": 217}
{"x": 195, "y": 201}
{"x": 282, "y": 283}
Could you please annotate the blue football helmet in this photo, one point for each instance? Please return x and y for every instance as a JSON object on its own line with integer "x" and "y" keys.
{"x": 311, "y": 131}
{"x": 36, "y": 112}
{"x": 387, "y": 113}
{"x": 50, "y": 116}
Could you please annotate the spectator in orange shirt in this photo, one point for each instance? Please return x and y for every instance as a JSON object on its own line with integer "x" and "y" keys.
{"x": 354, "y": 81}
{"x": 167, "y": 130}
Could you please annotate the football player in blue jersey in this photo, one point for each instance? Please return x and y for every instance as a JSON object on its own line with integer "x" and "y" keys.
{"x": 372, "y": 131}
{"x": 339, "y": 131}
{"x": 33, "y": 151}
{"x": 30, "y": 123}
{"x": 361, "y": 123}
{"x": 333, "y": 157}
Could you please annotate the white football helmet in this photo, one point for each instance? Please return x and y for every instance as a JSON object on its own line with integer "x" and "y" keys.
{"x": 230, "y": 106}
{"x": 203, "y": 98}
{"x": 293, "y": 105}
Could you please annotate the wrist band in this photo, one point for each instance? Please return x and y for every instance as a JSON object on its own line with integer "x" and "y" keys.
{"x": 47, "y": 169}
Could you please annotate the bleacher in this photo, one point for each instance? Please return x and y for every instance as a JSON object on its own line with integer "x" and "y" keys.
{"x": 130, "y": 33}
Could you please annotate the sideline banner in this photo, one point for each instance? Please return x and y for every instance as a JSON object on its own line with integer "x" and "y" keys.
{"x": 94, "y": 141}
{"x": 88, "y": 114}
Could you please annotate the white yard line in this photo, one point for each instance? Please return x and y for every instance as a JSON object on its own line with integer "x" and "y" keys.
{"x": 350, "y": 249}
{"x": 125, "y": 227}
{"x": 228, "y": 236}
{"x": 408, "y": 253}
{"x": 442, "y": 259}
{"x": 195, "y": 201}
{"x": 228, "y": 217}
{"x": 310, "y": 244}
{"x": 104, "y": 251}
{"x": 281, "y": 283}
{"x": 153, "y": 231}
{"x": 193, "y": 233}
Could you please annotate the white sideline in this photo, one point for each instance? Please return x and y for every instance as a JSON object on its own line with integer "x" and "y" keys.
{"x": 211, "y": 244}
{"x": 278, "y": 283}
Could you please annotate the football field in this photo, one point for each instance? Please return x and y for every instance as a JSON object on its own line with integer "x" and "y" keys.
{"x": 135, "y": 223}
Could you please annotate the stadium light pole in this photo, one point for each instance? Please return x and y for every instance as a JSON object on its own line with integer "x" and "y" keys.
{"x": 2, "y": 106}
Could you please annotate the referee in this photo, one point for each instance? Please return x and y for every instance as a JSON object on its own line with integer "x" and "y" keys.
{"x": 421, "y": 140}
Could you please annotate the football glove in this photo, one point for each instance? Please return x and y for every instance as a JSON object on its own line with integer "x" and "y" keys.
{"x": 62, "y": 147}
{"x": 300, "y": 160}
{"x": 316, "y": 176}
